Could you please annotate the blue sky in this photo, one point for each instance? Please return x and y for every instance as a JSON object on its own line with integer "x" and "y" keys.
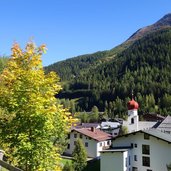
{"x": 75, "y": 27}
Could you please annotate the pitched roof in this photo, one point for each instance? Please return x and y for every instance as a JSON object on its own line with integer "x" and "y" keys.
{"x": 108, "y": 124}
{"x": 87, "y": 125}
{"x": 152, "y": 132}
{"x": 159, "y": 134}
{"x": 93, "y": 133}
{"x": 165, "y": 124}
{"x": 153, "y": 117}
{"x": 113, "y": 150}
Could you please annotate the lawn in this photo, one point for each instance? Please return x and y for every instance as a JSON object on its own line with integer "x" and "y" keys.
{"x": 64, "y": 160}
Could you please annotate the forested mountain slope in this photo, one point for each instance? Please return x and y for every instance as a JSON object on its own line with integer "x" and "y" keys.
{"x": 68, "y": 69}
{"x": 3, "y": 62}
{"x": 106, "y": 79}
{"x": 143, "y": 67}
{"x": 73, "y": 67}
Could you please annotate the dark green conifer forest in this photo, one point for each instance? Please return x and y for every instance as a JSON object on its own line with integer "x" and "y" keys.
{"x": 106, "y": 79}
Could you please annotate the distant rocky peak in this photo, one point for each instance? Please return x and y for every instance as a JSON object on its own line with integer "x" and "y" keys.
{"x": 164, "y": 22}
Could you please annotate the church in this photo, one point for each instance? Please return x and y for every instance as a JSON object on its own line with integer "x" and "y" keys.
{"x": 133, "y": 124}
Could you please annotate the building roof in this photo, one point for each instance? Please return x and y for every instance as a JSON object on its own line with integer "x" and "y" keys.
{"x": 93, "y": 133}
{"x": 146, "y": 125}
{"x": 152, "y": 132}
{"x": 108, "y": 124}
{"x": 165, "y": 124}
{"x": 87, "y": 125}
{"x": 153, "y": 117}
{"x": 132, "y": 104}
{"x": 113, "y": 150}
{"x": 159, "y": 134}
{"x": 141, "y": 125}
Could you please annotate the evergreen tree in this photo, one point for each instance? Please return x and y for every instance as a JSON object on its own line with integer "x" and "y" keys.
{"x": 79, "y": 156}
{"x": 110, "y": 76}
{"x": 123, "y": 130}
{"x": 94, "y": 114}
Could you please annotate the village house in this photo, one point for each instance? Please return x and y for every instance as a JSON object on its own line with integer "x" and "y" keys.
{"x": 93, "y": 139}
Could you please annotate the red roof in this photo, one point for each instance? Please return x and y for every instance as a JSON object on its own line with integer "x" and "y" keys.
{"x": 132, "y": 104}
{"x": 93, "y": 133}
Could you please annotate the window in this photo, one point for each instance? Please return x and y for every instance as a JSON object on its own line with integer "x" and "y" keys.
{"x": 135, "y": 145}
{"x": 149, "y": 170}
{"x": 132, "y": 120}
{"x": 75, "y": 135}
{"x": 108, "y": 142}
{"x": 81, "y": 136}
{"x": 129, "y": 160}
{"x": 86, "y": 144}
{"x": 135, "y": 157}
{"x": 146, "y": 161}
{"x": 68, "y": 146}
{"x": 145, "y": 149}
{"x": 68, "y": 136}
{"x": 100, "y": 144}
{"x": 134, "y": 169}
{"x": 126, "y": 162}
{"x": 167, "y": 132}
{"x": 74, "y": 142}
{"x": 146, "y": 136}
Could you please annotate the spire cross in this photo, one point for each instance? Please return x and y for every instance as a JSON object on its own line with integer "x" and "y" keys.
{"x": 132, "y": 94}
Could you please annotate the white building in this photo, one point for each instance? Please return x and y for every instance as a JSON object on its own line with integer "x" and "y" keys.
{"x": 111, "y": 128}
{"x": 93, "y": 139}
{"x": 148, "y": 150}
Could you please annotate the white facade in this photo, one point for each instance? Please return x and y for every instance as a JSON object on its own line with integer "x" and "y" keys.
{"x": 117, "y": 158}
{"x": 133, "y": 124}
{"x": 145, "y": 152}
{"x": 92, "y": 146}
{"x": 133, "y": 120}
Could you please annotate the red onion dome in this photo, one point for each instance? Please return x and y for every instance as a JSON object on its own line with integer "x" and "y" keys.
{"x": 132, "y": 104}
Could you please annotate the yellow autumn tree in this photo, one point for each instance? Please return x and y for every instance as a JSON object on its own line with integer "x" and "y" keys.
{"x": 30, "y": 117}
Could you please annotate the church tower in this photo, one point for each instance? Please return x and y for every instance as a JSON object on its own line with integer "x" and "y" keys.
{"x": 133, "y": 118}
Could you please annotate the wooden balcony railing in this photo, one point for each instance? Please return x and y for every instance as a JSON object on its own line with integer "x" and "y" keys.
{"x": 8, "y": 166}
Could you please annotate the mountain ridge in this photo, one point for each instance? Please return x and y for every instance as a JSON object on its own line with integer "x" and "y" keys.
{"x": 164, "y": 22}
{"x": 82, "y": 61}
{"x": 106, "y": 79}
